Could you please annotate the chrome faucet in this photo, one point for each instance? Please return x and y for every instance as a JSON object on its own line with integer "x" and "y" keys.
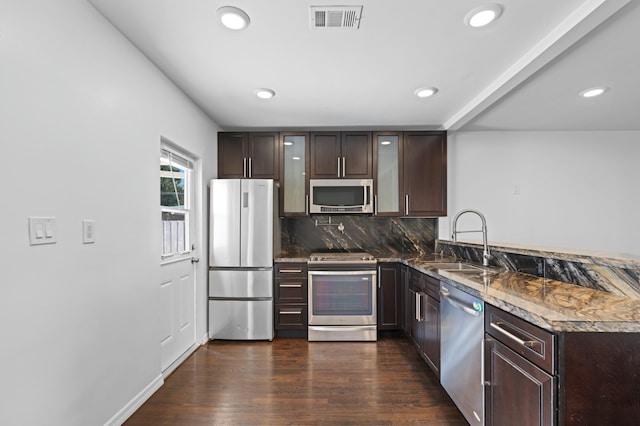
{"x": 485, "y": 252}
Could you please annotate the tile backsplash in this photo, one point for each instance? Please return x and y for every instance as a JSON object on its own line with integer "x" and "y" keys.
{"x": 598, "y": 273}
{"x": 376, "y": 235}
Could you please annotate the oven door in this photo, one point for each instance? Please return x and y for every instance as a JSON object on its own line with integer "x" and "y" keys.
{"x": 342, "y": 297}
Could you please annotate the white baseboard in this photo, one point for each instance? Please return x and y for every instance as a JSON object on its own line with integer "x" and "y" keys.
{"x": 121, "y": 416}
{"x": 175, "y": 364}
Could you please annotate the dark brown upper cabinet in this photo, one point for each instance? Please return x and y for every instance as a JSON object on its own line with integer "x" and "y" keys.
{"x": 425, "y": 174}
{"x": 341, "y": 155}
{"x": 294, "y": 164}
{"x": 409, "y": 169}
{"x": 248, "y": 155}
{"x": 387, "y": 173}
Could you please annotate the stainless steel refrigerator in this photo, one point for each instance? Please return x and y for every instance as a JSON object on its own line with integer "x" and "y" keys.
{"x": 244, "y": 234}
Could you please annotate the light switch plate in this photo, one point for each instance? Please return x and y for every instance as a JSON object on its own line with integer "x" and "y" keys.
{"x": 42, "y": 230}
{"x": 88, "y": 231}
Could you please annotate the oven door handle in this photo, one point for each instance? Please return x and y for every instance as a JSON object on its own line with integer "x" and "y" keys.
{"x": 342, "y": 328}
{"x": 364, "y": 272}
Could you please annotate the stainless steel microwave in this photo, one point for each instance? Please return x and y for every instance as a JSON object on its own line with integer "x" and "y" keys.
{"x": 339, "y": 196}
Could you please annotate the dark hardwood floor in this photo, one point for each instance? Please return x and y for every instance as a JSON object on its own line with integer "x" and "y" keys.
{"x": 292, "y": 381}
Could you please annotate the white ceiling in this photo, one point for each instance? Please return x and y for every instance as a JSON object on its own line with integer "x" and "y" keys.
{"x": 547, "y": 50}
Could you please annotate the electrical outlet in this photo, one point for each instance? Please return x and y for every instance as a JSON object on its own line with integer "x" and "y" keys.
{"x": 88, "y": 231}
{"x": 516, "y": 189}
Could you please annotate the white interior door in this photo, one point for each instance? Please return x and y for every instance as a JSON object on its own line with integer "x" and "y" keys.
{"x": 178, "y": 278}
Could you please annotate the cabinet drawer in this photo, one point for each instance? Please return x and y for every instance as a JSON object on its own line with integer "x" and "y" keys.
{"x": 291, "y": 317}
{"x": 415, "y": 279}
{"x": 288, "y": 270}
{"x": 291, "y": 291}
{"x": 531, "y": 342}
{"x": 432, "y": 287}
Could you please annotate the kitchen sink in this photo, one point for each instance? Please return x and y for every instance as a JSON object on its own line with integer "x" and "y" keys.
{"x": 455, "y": 266}
{"x": 462, "y": 268}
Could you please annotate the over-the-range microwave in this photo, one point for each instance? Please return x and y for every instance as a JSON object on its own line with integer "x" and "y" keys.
{"x": 339, "y": 196}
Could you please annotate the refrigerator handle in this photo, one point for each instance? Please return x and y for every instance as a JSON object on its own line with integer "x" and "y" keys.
{"x": 245, "y": 200}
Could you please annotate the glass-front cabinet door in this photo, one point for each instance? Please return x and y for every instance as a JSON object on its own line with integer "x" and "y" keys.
{"x": 295, "y": 163}
{"x": 387, "y": 167}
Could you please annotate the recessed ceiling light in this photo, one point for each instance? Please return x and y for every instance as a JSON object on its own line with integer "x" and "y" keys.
{"x": 425, "y": 92}
{"x": 233, "y": 18}
{"x": 483, "y": 15}
{"x": 594, "y": 91}
{"x": 265, "y": 93}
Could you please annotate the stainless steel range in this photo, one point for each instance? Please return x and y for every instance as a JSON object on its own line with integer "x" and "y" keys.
{"x": 342, "y": 297}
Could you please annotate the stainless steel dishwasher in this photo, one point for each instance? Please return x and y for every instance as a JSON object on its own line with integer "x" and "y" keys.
{"x": 461, "y": 351}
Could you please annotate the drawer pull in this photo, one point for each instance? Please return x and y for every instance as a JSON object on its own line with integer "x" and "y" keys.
{"x": 530, "y": 344}
{"x": 290, "y": 271}
{"x": 291, "y": 312}
{"x": 290, "y": 285}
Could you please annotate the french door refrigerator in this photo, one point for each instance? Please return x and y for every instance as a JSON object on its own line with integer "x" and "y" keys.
{"x": 243, "y": 222}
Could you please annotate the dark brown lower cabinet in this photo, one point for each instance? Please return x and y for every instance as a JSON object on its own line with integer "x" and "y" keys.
{"x": 390, "y": 304}
{"x": 535, "y": 377}
{"x": 424, "y": 305}
{"x": 520, "y": 366}
{"x": 517, "y": 392}
{"x": 599, "y": 379}
{"x": 415, "y": 328}
{"x": 290, "y": 299}
{"x": 406, "y": 300}
{"x": 431, "y": 342}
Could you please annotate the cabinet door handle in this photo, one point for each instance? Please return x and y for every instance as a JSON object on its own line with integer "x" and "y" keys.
{"x": 306, "y": 204}
{"x": 291, "y": 312}
{"x": 419, "y": 316}
{"x": 483, "y": 381}
{"x": 375, "y": 205}
{"x": 529, "y": 344}
{"x": 338, "y": 166}
{"x": 290, "y": 285}
{"x": 250, "y": 166}
{"x": 290, "y": 271}
{"x": 343, "y": 167}
{"x": 406, "y": 205}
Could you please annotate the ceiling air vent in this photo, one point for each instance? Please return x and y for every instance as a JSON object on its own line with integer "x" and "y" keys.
{"x": 335, "y": 16}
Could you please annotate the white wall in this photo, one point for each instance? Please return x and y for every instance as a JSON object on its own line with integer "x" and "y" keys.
{"x": 82, "y": 113}
{"x": 578, "y": 190}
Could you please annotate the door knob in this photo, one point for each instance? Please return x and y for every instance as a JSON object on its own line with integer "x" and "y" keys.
{"x": 195, "y": 260}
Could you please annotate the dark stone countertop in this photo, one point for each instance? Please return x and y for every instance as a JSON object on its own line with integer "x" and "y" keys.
{"x": 549, "y": 304}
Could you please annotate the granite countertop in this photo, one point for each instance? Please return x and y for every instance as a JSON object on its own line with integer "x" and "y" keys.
{"x": 549, "y": 304}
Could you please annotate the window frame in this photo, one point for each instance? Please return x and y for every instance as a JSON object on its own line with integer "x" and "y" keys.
{"x": 176, "y": 159}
